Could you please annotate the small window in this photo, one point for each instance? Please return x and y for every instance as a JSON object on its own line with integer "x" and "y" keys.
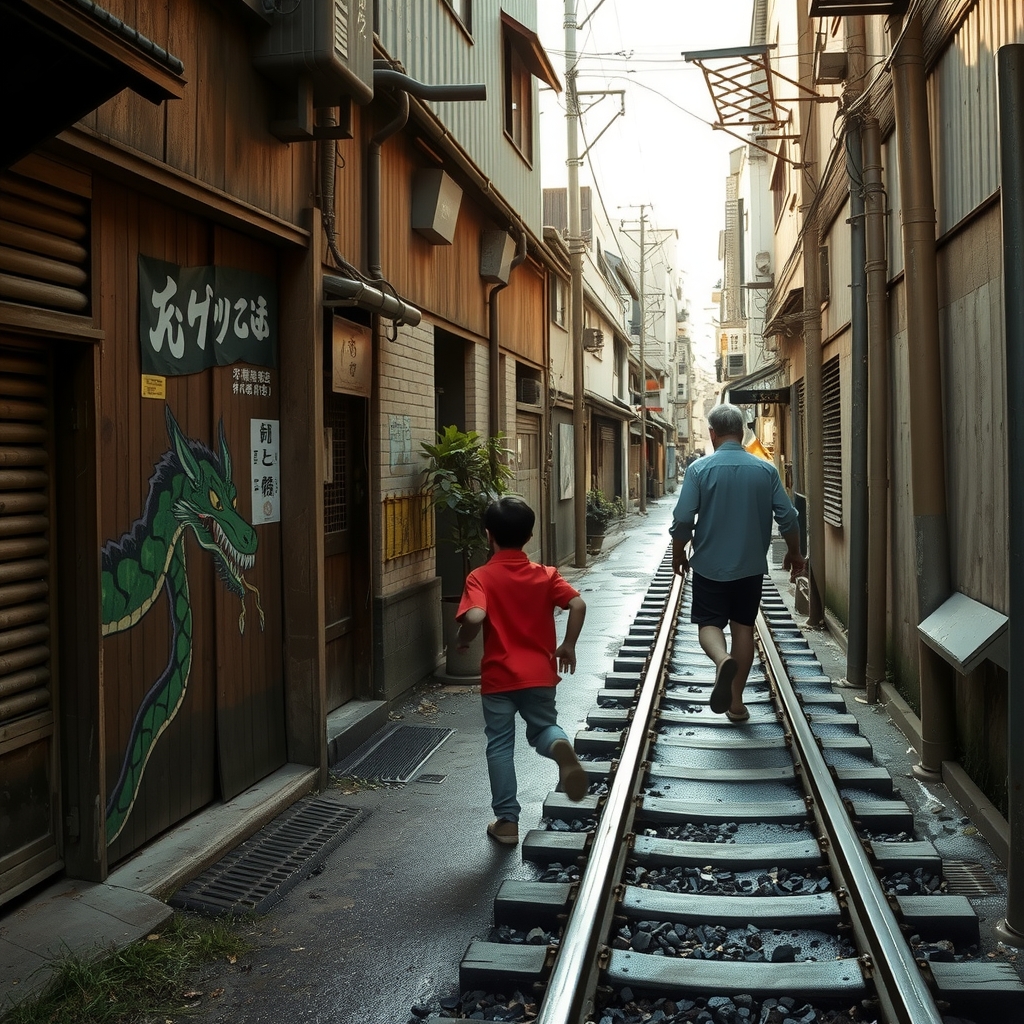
{"x": 524, "y": 59}
{"x": 832, "y": 442}
{"x": 558, "y": 300}
{"x": 518, "y": 97}
{"x": 463, "y": 10}
{"x": 779, "y": 187}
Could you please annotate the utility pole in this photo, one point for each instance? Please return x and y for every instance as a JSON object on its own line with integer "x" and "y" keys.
{"x": 575, "y": 245}
{"x": 643, "y": 371}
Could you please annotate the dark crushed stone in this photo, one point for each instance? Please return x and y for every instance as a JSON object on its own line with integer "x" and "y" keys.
{"x": 774, "y": 881}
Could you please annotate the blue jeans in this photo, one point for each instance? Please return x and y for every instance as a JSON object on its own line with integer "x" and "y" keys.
{"x": 536, "y": 706}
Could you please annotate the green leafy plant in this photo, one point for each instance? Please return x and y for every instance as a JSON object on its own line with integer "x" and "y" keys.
{"x": 465, "y": 473}
{"x": 601, "y": 511}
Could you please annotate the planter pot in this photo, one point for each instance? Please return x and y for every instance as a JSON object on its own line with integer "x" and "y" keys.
{"x": 461, "y": 667}
{"x": 594, "y": 542}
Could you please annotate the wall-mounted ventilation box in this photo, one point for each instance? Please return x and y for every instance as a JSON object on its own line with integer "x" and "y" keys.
{"x": 497, "y": 250}
{"x": 966, "y": 632}
{"x": 328, "y": 41}
{"x": 436, "y": 199}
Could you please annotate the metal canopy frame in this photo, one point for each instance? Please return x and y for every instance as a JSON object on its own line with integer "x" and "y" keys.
{"x": 742, "y": 84}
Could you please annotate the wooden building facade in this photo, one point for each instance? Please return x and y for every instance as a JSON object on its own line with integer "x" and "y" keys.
{"x": 218, "y": 356}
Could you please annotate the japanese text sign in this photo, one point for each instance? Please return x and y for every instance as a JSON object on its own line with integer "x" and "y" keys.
{"x": 264, "y": 436}
{"x": 192, "y": 318}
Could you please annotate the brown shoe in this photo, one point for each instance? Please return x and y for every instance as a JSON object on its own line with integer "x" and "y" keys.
{"x": 571, "y": 776}
{"x": 504, "y": 831}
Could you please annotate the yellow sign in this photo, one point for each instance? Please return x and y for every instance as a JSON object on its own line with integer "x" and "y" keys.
{"x": 154, "y": 386}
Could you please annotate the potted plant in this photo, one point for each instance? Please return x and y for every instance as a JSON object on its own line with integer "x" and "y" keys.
{"x": 465, "y": 473}
{"x": 601, "y": 511}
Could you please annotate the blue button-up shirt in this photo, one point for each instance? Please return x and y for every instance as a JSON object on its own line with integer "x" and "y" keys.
{"x": 726, "y": 505}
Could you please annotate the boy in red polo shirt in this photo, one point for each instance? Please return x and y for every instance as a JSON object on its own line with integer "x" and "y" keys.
{"x": 514, "y": 600}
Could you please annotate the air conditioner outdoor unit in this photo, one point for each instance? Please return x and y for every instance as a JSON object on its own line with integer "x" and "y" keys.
{"x": 331, "y": 41}
{"x": 528, "y": 391}
{"x": 593, "y": 339}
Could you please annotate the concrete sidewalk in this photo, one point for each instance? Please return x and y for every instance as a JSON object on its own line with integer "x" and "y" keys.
{"x": 86, "y": 918}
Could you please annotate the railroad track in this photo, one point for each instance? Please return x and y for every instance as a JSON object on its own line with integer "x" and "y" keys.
{"x": 718, "y": 873}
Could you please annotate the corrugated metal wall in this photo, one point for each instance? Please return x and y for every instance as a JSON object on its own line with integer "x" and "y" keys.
{"x": 434, "y": 49}
{"x": 962, "y": 98}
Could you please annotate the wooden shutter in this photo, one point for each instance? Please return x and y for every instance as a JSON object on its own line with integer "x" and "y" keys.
{"x": 832, "y": 443}
{"x": 44, "y": 252}
{"x": 28, "y": 847}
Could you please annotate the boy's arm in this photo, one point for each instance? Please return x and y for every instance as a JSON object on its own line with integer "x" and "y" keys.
{"x": 469, "y": 626}
{"x": 565, "y": 653}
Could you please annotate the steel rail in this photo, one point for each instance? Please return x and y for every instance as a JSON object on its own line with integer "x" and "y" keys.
{"x": 567, "y": 995}
{"x": 903, "y": 992}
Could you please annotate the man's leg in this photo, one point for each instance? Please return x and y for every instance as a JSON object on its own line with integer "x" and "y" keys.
{"x": 712, "y": 642}
{"x": 743, "y": 654}
{"x": 500, "y": 730}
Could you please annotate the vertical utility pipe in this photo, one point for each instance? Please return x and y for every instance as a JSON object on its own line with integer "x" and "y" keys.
{"x": 857, "y": 641}
{"x": 856, "y": 649}
{"x": 1010, "y": 83}
{"x": 810, "y": 171}
{"x": 494, "y": 347}
{"x": 927, "y": 436}
{"x": 878, "y": 404}
{"x": 575, "y": 244}
{"x": 373, "y": 257}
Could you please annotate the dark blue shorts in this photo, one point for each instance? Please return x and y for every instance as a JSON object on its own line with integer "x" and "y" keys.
{"x": 718, "y": 602}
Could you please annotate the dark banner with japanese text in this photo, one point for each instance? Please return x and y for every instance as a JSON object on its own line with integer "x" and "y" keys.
{"x": 192, "y": 318}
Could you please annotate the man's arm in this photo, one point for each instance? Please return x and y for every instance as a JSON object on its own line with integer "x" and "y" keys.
{"x": 683, "y": 518}
{"x": 565, "y": 653}
{"x": 789, "y": 526}
{"x": 794, "y": 560}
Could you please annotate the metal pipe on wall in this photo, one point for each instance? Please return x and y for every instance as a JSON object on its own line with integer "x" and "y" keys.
{"x": 856, "y": 648}
{"x": 494, "y": 348}
{"x": 878, "y": 404}
{"x": 928, "y": 471}
{"x": 1010, "y": 85}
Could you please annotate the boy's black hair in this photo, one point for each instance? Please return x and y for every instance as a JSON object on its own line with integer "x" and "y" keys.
{"x": 510, "y": 521}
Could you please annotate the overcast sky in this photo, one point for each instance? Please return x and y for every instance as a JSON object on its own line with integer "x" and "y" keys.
{"x": 662, "y": 152}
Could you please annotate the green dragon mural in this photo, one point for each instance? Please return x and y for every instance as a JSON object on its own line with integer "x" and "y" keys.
{"x": 190, "y": 490}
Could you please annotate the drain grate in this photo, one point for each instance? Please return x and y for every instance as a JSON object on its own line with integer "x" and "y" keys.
{"x": 435, "y": 779}
{"x": 257, "y": 873}
{"x": 968, "y": 878}
{"x": 394, "y": 757}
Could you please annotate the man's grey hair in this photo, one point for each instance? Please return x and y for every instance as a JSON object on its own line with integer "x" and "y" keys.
{"x": 727, "y": 420}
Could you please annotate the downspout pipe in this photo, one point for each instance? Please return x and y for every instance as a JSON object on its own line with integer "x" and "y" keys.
{"x": 494, "y": 353}
{"x": 876, "y": 272}
{"x": 402, "y": 86}
{"x": 1010, "y": 85}
{"x": 856, "y": 651}
{"x": 928, "y": 471}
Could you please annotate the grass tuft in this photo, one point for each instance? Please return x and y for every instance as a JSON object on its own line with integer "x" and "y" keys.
{"x": 144, "y": 980}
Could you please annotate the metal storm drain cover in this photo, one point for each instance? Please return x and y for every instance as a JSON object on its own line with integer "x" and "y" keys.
{"x": 395, "y": 756}
{"x": 256, "y": 874}
{"x": 968, "y": 878}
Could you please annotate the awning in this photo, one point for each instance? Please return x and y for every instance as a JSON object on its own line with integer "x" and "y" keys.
{"x": 616, "y": 409}
{"x": 64, "y": 58}
{"x": 764, "y": 381}
{"x": 531, "y": 50}
{"x": 346, "y": 291}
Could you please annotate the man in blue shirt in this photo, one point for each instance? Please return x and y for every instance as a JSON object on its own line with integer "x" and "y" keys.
{"x": 725, "y": 510}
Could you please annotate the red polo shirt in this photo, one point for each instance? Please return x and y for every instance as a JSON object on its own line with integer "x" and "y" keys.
{"x": 519, "y": 598}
